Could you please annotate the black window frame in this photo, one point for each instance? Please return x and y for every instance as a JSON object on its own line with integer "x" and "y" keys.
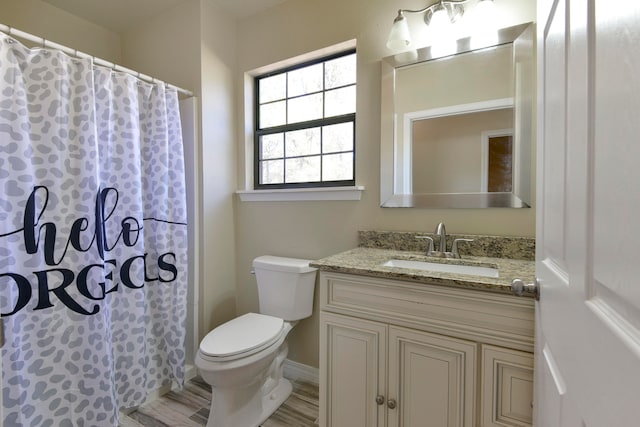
{"x": 258, "y": 133}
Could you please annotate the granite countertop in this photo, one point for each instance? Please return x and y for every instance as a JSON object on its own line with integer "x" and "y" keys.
{"x": 368, "y": 262}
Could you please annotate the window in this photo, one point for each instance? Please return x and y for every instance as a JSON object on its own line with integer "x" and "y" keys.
{"x": 305, "y": 124}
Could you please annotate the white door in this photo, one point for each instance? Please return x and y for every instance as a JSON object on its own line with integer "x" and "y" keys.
{"x": 588, "y": 217}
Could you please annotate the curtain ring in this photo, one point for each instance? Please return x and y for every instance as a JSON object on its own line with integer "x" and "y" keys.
{"x": 9, "y": 39}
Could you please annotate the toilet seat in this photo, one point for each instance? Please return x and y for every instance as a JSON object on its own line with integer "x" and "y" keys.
{"x": 241, "y": 337}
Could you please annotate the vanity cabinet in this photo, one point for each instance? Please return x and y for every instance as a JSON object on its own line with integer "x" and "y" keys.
{"x": 385, "y": 375}
{"x": 396, "y": 353}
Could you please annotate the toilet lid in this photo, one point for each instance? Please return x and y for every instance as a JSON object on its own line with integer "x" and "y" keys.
{"x": 243, "y": 334}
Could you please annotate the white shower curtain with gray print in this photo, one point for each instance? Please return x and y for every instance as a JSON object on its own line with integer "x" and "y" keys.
{"x": 93, "y": 239}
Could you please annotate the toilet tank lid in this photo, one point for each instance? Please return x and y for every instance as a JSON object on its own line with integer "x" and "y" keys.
{"x": 276, "y": 263}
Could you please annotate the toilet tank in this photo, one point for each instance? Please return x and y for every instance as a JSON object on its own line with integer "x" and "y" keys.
{"x": 285, "y": 286}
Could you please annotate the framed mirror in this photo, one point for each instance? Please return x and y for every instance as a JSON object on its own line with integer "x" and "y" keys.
{"x": 457, "y": 131}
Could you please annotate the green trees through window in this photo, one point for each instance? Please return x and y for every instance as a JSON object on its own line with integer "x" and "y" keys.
{"x": 305, "y": 124}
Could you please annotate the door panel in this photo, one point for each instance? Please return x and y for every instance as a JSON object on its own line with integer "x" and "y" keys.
{"x": 555, "y": 155}
{"x": 507, "y": 387}
{"x": 353, "y": 362}
{"x": 616, "y": 270}
{"x": 432, "y": 379}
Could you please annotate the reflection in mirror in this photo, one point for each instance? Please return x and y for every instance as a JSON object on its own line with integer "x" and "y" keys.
{"x": 462, "y": 153}
{"x": 456, "y": 131}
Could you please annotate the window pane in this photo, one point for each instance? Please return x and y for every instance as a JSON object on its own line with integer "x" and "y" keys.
{"x": 273, "y": 114}
{"x": 298, "y": 139}
{"x": 305, "y": 80}
{"x": 340, "y": 101}
{"x": 303, "y": 169}
{"x": 272, "y": 172}
{"x": 337, "y": 138}
{"x": 272, "y": 146}
{"x": 337, "y": 167}
{"x": 305, "y": 108}
{"x": 303, "y": 142}
{"x": 273, "y": 88}
{"x": 340, "y": 71}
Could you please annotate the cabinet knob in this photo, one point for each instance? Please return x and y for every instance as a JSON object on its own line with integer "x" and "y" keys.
{"x": 380, "y": 399}
{"x": 391, "y": 403}
{"x": 519, "y": 288}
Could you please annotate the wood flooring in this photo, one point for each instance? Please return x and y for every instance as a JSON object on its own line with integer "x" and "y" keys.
{"x": 190, "y": 408}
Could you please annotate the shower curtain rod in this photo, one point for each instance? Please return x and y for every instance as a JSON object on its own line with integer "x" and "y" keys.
{"x": 77, "y": 54}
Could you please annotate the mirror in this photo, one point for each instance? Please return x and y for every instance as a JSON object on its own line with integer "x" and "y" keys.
{"x": 457, "y": 131}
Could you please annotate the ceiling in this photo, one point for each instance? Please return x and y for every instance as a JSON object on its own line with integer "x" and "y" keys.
{"x": 244, "y": 8}
{"x": 120, "y": 15}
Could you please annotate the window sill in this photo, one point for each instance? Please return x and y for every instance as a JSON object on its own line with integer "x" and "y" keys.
{"x": 301, "y": 194}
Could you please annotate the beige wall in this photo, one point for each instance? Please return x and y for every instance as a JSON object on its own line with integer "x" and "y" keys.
{"x": 318, "y": 229}
{"x": 43, "y": 20}
{"x": 167, "y": 47}
{"x": 218, "y": 56}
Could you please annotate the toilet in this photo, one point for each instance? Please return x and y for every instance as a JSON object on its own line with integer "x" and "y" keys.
{"x": 242, "y": 359}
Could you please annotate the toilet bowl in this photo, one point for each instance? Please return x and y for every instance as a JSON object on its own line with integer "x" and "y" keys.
{"x": 242, "y": 359}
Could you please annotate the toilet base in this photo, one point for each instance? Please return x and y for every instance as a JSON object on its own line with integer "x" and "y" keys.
{"x": 269, "y": 404}
{"x": 272, "y": 401}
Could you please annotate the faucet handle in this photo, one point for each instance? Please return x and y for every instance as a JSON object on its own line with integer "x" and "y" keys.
{"x": 430, "y": 249}
{"x": 454, "y": 246}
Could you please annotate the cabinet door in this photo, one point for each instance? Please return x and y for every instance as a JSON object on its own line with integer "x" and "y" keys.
{"x": 353, "y": 372}
{"x": 432, "y": 379}
{"x": 507, "y": 387}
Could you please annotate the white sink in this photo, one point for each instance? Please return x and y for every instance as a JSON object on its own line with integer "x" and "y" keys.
{"x": 472, "y": 270}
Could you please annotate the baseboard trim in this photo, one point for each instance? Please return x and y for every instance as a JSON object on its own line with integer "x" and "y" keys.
{"x": 190, "y": 371}
{"x": 297, "y": 371}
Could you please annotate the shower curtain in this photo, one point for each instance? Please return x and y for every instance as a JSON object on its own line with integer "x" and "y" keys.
{"x": 93, "y": 239}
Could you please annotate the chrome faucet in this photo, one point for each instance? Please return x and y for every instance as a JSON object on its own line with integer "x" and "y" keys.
{"x": 442, "y": 233}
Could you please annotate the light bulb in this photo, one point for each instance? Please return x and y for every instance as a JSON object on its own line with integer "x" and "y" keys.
{"x": 399, "y": 36}
{"x": 441, "y": 30}
{"x": 440, "y": 23}
{"x": 484, "y": 28}
{"x": 485, "y": 13}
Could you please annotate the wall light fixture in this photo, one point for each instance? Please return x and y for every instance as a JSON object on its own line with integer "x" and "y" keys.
{"x": 439, "y": 17}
